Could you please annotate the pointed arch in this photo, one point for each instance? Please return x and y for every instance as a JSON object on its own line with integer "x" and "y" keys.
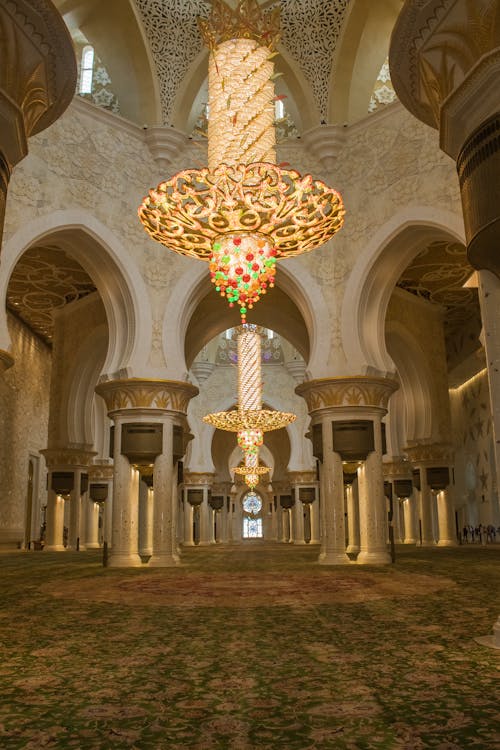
{"x": 111, "y": 268}
{"x": 375, "y": 275}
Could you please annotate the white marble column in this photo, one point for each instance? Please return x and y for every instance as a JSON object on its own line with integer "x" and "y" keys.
{"x": 188, "y": 521}
{"x": 396, "y": 519}
{"x": 124, "y": 551}
{"x": 92, "y": 523}
{"x": 352, "y": 517}
{"x": 333, "y": 546}
{"x": 76, "y": 533}
{"x": 425, "y": 510}
{"x": 146, "y": 504}
{"x": 446, "y": 519}
{"x": 164, "y": 554}
{"x": 298, "y": 517}
{"x": 373, "y": 521}
{"x": 315, "y": 519}
{"x": 410, "y": 519}
{"x": 55, "y": 522}
{"x": 108, "y": 516}
{"x": 205, "y": 532}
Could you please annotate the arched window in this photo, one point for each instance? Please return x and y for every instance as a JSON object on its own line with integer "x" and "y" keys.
{"x": 86, "y": 70}
{"x": 279, "y": 109}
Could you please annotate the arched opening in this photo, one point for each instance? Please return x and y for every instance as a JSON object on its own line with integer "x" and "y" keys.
{"x": 66, "y": 309}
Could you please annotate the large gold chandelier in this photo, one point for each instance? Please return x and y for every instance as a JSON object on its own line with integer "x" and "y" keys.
{"x": 242, "y": 212}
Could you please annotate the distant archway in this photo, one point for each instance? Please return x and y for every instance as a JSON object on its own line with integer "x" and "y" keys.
{"x": 375, "y": 275}
{"x": 112, "y": 269}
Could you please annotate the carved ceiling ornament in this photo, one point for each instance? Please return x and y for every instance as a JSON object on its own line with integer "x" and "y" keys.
{"x": 438, "y": 274}
{"x": 45, "y": 279}
{"x": 435, "y": 43}
{"x": 172, "y": 30}
{"x": 38, "y": 71}
{"x": 136, "y": 393}
{"x": 310, "y": 30}
{"x": 359, "y": 391}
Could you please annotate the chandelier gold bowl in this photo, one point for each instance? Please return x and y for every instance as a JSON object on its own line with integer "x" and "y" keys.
{"x": 264, "y": 420}
{"x": 189, "y": 212}
{"x": 245, "y": 470}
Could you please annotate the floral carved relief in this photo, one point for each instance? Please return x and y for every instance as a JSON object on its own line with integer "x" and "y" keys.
{"x": 341, "y": 392}
{"x": 147, "y": 394}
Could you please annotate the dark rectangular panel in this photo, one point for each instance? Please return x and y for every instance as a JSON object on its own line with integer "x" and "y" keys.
{"x": 142, "y": 442}
{"x": 353, "y": 439}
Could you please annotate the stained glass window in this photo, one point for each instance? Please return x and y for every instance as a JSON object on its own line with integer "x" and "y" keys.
{"x": 252, "y": 503}
{"x": 252, "y": 528}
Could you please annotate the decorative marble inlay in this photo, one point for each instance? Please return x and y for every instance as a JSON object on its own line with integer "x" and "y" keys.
{"x": 55, "y": 457}
{"x": 104, "y": 472}
{"x": 302, "y": 477}
{"x": 45, "y": 279}
{"x": 430, "y": 454}
{"x": 171, "y": 27}
{"x": 361, "y": 391}
{"x": 198, "y": 479}
{"x": 169, "y": 395}
{"x": 401, "y": 469}
{"x": 310, "y": 30}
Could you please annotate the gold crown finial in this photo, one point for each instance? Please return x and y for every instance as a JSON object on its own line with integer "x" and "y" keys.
{"x": 246, "y": 21}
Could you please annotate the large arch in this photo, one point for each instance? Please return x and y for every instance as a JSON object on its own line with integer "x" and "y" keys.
{"x": 416, "y": 384}
{"x": 307, "y": 328}
{"x": 375, "y": 275}
{"x": 116, "y": 31}
{"x": 80, "y": 417}
{"x": 111, "y": 268}
{"x": 362, "y": 49}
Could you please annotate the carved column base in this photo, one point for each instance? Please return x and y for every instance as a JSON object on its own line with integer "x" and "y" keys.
{"x": 119, "y": 560}
{"x": 374, "y": 558}
{"x": 332, "y": 558}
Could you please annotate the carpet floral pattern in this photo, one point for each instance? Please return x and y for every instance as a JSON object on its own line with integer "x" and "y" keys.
{"x": 250, "y": 647}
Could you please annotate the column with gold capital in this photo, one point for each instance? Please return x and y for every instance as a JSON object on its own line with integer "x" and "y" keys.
{"x": 67, "y": 482}
{"x": 433, "y": 469}
{"x": 346, "y": 414}
{"x": 150, "y": 431}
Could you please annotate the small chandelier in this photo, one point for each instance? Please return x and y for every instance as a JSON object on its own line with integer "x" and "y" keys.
{"x": 243, "y": 212}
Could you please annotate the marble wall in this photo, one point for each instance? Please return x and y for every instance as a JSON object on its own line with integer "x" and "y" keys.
{"x": 24, "y": 409}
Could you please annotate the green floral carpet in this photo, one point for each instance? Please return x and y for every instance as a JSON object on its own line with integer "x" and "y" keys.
{"x": 250, "y": 647}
